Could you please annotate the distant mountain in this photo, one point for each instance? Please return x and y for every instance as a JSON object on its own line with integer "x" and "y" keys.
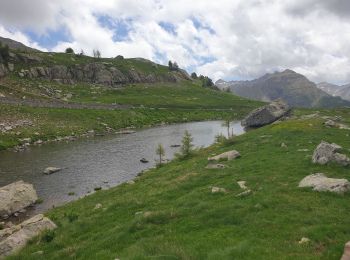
{"x": 336, "y": 90}
{"x": 292, "y": 87}
{"x": 16, "y": 45}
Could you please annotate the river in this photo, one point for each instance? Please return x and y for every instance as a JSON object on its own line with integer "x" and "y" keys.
{"x": 98, "y": 162}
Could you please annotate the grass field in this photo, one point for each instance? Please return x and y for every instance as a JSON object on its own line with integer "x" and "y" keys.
{"x": 186, "y": 94}
{"x": 170, "y": 212}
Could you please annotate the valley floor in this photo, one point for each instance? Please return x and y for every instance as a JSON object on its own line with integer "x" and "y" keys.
{"x": 171, "y": 212}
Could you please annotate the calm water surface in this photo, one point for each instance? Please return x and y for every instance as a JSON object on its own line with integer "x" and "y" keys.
{"x": 98, "y": 162}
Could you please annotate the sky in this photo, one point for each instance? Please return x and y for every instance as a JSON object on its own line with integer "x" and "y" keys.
{"x": 228, "y": 39}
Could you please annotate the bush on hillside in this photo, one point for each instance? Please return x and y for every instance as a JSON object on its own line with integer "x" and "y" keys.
{"x": 69, "y": 50}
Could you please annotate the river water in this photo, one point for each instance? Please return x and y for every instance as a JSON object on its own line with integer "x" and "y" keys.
{"x": 98, "y": 162}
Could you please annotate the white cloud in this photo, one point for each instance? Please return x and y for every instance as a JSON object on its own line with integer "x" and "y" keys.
{"x": 236, "y": 39}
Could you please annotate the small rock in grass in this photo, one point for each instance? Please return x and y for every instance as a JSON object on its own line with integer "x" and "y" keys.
{"x": 130, "y": 182}
{"x": 38, "y": 253}
{"x": 303, "y": 150}
{"x": 241, "y": 184}
{"x": 304, "y": 240}
{"x": 283, "y": 145}
{"x": 244, "y": 193}
{"x": 346, "y": 255}
{"x": 51, "y": 170}
{"x": 98, "y": 206}
{"x": 326, "y": 152}
{"x": 215, "y": 166}
{"x": 319, "y": 182}
{"x": 217, "y": 190}
{"x": 230, "y": 155}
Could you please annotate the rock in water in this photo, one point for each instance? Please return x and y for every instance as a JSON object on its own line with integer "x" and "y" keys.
{"x": 266, "y": 115}
{"x": 319, "y": 182}
{"x": 14, "y": 238}
{"x": 51, "y": 170}
{"x": 326, "y": 152}
{"x": 15, "y": 197}
{"x": 230, "y": 155}
{"x": 346, "y": 255}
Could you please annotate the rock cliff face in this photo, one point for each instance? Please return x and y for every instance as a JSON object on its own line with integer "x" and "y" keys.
{"x": 99, "y": 73}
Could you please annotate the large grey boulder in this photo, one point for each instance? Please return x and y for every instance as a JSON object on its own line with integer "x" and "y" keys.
{"x": 326, "y": 152}
{"x": 320, "y": 182}
{"x": 267, "y": 114}
{"x": 16, "y": 196}
{"x": 14, "y": 238}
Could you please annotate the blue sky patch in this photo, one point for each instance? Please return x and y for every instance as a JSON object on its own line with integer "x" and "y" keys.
{"x": 120, "y": 27}
{"x": 50, "y": 38}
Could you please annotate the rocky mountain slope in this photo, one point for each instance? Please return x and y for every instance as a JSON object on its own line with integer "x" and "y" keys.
{"x": 294, "y": 88}
{"x": 16, "y": 45}
{"x": 342, "y": 91}
{"x": 28, "y": 63}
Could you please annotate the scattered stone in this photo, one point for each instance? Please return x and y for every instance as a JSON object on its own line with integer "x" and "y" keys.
{"x": 98, "y": 206}
{"x": 346, "y": 255}
{"x": 51, "y": 170}
{"x": 130, "y": 182}
{"x": 244, "y": 193}
{"x": 230, "y": 155}
{"x": 304, "y": 240}
{"x": 283, "y": 145}
{"x": 218, "y": 190}
{"x": 144, "y": 160}
{"x": 266, "y": 115}
{"x": 38, "y": 253}
{"x": 15, "y": 197}
{"x": 326, "y": 152}
{"x": 14, "y": 238}
{"x": 319, "y": 182}
{"x": 125, "y": 132}
{"x": 303, "y": 150}
{"x": 2, "y": 95}
{"x": 333, "y": 124}
{"x": 242, "y": 185}
{"x": 215, "y": 166}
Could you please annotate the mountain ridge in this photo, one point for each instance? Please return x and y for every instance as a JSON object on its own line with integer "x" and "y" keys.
{"x": 296, "y": 89}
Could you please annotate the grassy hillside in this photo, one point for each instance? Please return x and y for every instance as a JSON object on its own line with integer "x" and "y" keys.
{"x": 186, "y": 94}
{"x": 171, "y": 213}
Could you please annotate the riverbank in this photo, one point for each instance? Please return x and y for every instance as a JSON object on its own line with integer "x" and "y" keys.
{"x": 172, "y": 213}
{"x": 27, "y": 125}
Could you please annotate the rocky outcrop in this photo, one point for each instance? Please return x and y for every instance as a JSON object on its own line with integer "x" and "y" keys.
{"x": 346, "y": 255}
{"x": 14, "y": 238}
{"x": 99, "y": 73}
{"x": 319, "y": 182}
{"x": 326, "y": 152}
{"x": 230, "y": 155}
{"x": 16, "y": 196}
{"x": 266, "y": 115}
{"x": 3, "y": 70}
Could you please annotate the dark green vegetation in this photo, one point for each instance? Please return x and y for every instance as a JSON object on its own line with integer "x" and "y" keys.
{"x": 170, "y": 212}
